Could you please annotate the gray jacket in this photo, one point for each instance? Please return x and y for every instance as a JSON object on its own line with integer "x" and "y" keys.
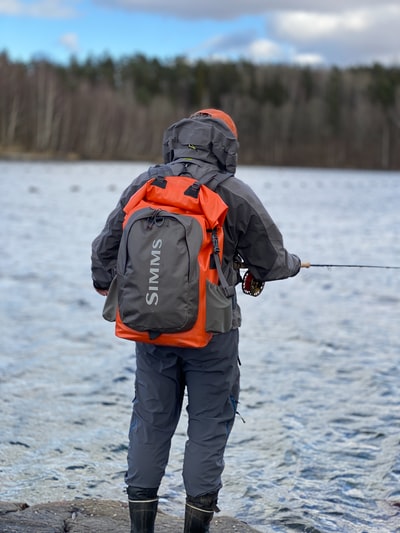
{"x": 249, "y": 231}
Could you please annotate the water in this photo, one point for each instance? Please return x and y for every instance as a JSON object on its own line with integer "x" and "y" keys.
{"x": 319, "y": 449}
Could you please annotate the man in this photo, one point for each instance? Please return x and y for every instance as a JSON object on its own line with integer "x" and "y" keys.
{"x": 205, "y": 142}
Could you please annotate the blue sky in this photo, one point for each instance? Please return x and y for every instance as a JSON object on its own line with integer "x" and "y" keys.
{"x": 316, "y": 32}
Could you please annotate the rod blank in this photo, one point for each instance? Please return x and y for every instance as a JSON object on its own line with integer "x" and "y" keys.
{"x": 308, "y": 265}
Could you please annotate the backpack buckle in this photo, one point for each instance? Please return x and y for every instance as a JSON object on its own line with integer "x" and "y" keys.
{"x": 193, "y": 190}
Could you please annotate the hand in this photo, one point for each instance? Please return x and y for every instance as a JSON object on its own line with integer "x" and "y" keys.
{"x": 103, "y": 292}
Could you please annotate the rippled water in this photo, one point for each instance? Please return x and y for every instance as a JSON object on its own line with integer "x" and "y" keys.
{"x": 319, "y": 449}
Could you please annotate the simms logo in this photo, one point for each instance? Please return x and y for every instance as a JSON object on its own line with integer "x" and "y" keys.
{"x": 154, "y": 273}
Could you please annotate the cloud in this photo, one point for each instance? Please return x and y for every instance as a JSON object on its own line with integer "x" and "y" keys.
{"x": 241, "y": 44}
{"x": 307, "y": 59}
{"x": 9, "y": 7}
{"x": 310, "y": 27}
{"x": 259, "y": 50}
{"x": 342, "y": 32}
{"x": 232, "y": 44}
{"x": 56, "y": 9}
{"x": 348, "y": 37}
{"x": 212, "y": 10}
{"x": 360, "y": 35}
{"x": 70, "y": 42}
{"x": 206, "y": 9}
{"x": 262, "y": 50}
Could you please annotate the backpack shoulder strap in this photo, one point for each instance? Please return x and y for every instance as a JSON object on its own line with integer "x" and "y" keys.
{"x": 214, "y": 178}
{"x": 229, "y": 290}
{"x": 160, "y": 170}
{"x": 210, "y": 179}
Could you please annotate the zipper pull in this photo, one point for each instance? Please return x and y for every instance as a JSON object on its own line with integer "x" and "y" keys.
{"x": 152, "y": 219}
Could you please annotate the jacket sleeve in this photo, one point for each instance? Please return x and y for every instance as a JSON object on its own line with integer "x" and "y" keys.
{"x": 105, "y": 249}
{"x": 105, "y": 246}
{"x": 259, "y": 241}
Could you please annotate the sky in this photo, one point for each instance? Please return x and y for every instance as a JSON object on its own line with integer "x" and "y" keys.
{"x": 313, "y": 32}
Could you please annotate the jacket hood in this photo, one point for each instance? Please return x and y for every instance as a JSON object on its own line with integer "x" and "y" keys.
{"x": 207, "y": 140}
{"x": 217, "y": 114}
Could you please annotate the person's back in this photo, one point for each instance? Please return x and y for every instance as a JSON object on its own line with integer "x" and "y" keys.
{"x": 195, "y": 146}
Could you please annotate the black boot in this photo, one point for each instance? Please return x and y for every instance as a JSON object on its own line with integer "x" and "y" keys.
{"x": 142, "y": 509}
{"x": 199, "y": 512}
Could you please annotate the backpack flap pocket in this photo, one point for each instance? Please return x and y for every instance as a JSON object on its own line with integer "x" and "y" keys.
{"x": 111, "y": 303}
{"x": 218, "y": 309}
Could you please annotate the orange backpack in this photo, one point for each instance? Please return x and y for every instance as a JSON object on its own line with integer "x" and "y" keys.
{"x": 171, "y": 289}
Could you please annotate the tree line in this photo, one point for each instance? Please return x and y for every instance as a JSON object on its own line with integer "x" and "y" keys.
{"x": 103, "y": 108}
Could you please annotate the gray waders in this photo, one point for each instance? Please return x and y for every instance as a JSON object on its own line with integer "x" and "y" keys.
{"x": 211, "y": 377}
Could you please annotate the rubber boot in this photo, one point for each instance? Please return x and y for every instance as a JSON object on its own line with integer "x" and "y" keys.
{"x": 199, "y": 512}
{"x": 142, "y": 509}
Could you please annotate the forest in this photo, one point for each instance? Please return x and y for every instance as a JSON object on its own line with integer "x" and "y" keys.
{"x": 103, "y": 108}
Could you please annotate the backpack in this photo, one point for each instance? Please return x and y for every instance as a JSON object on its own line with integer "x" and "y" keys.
{"x": 170, "y": 284}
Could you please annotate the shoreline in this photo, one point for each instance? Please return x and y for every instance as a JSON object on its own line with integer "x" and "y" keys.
{"x": 94, "y": 516}
{"x": 72, "y": 157}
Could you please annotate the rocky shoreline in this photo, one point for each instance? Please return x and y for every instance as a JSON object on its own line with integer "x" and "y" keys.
{"x": 93, "y": 516}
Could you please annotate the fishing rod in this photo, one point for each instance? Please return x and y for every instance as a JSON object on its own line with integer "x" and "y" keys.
{"x": 308, "y": 265}
{"x": 254, "y": 287}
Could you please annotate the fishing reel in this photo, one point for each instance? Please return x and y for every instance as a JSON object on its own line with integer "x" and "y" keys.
{"x": 251, "y": 286}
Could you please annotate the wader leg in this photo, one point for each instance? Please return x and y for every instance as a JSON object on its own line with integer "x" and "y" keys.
{"x": 213, "y": 379}
{"x": 159, "y": 389}
{"x": 199, "y": 512}
{"x": 142, "y": 509}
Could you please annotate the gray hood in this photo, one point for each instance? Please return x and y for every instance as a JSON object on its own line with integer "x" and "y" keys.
{"x": 204, "y": 139}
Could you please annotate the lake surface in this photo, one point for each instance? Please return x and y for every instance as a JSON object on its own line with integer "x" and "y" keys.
{"x": 319, "y": 449}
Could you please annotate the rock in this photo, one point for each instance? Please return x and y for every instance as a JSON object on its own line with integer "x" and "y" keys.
{"x": 93, "y": 516}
